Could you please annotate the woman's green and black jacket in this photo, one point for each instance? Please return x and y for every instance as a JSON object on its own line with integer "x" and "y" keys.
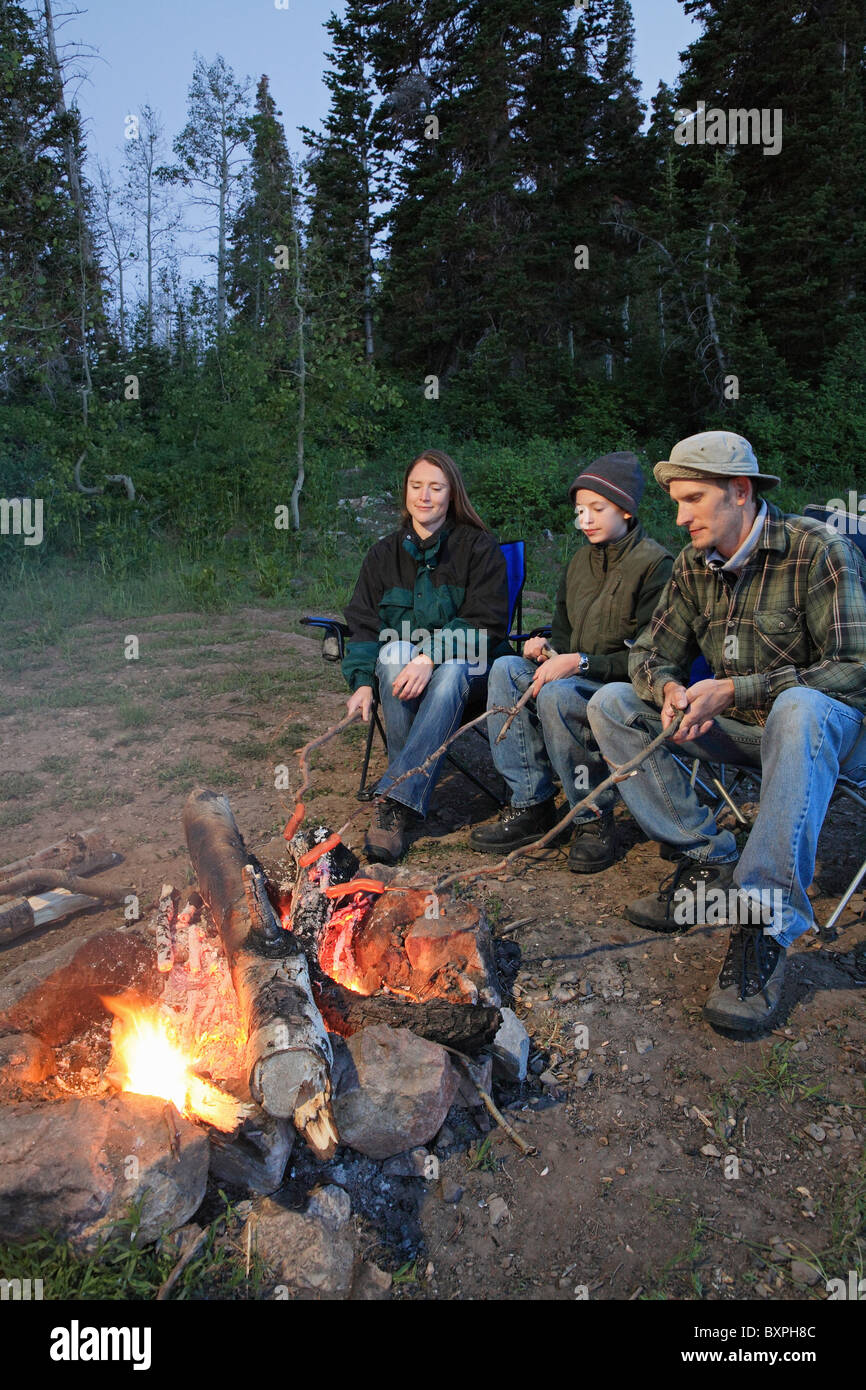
{"x": 453, "y": 585}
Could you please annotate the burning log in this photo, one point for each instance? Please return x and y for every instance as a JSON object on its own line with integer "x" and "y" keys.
{"x": 398, "y": 956}
{"x": 164, "y": 919}
{"x": 288, "y": 1052}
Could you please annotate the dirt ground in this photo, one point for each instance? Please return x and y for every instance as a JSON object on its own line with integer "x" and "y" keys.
{"x": 672, "y": 1162}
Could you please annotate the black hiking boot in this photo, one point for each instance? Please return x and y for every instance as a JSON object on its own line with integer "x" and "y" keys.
{"x": 689, "y": 897}
{"x": 594, "y": 846}
{"x": 516, "y": 827}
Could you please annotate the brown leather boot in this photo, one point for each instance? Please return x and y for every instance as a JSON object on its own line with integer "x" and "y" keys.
{"x": 385, "y": 841}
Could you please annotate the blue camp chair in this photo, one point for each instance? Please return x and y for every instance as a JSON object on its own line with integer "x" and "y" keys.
{"x": 333, "y": 647}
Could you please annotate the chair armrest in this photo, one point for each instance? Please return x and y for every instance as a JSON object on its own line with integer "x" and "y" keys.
{"x": 334, "y": 634}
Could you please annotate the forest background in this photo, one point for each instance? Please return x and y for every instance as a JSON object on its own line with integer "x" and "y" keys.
{"x": 486, "y": 248}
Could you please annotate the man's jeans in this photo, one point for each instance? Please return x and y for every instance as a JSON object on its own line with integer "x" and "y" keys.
{"x": 415, "y": 728}
{"x": 550, "y": 737}
{"x": 808, "y": 742}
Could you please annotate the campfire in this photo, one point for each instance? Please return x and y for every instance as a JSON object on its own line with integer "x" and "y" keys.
{"x": 230, "y": 1007}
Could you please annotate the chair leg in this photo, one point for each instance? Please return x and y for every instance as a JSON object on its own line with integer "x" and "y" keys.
{"x": 364, "y": 792}
{"x": 848, "y": 895}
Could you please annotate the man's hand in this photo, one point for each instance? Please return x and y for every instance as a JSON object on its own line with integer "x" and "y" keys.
{"x": 702, "y": 702}
{"x": 414, "y": 678}
{"x": 361, "y": 699}
{"x": 537, "y": 649}
{"x": 556, "y": 668}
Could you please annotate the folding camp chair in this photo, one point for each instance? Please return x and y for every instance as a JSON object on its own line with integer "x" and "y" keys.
{"x": 333, "y": 648}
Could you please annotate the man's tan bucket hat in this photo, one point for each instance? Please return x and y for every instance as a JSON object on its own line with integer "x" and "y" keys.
{"x": 718, "y": 453}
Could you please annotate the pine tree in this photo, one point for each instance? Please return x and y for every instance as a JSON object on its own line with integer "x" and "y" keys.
{"x": 42, "y": 280}
{"x": 346, "y": 179}
{"x": 804, "y": 232}
{"x": 262, "y": 256}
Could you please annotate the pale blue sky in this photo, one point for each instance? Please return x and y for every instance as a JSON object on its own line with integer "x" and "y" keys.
{"x": 146, "y": 54}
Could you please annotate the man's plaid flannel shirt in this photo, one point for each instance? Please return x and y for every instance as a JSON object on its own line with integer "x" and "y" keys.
{"x": 794, "y": 615}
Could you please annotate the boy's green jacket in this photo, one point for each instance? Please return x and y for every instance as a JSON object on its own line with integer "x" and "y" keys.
{"x": 607, "y": 594}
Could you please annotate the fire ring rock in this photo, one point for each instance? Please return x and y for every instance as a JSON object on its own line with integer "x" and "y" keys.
{"x": 75, "y": 1167}
{"x": 393, "y": 1090}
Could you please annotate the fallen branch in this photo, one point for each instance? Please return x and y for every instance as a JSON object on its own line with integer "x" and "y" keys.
{"x": 619, "y": 774}
{"x": 35, "y": 880}
{"x": 490, "y": 1105}
{"x": 193, "y": 1242}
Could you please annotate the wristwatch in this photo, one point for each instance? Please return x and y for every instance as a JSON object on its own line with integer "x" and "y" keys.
{"x": 583, "y": 668}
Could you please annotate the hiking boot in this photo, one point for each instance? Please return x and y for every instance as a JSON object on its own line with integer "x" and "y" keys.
{"x": 685, "y": 899}
{"x": 516, "y": 827}
{"x": 385, "y": 841}
{"x": 749, "y": 986}
{"x": 593, "y": 847}
{"x": 670, "y": 853}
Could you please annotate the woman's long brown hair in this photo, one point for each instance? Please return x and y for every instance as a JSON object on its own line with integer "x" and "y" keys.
{"x": 460, "y": 509}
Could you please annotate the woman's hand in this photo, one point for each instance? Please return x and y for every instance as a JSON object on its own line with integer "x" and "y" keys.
{"x": 414, "y": 678}
{"x": 556, "y": 669}
{"x": 536, "y": 649}
{"x": 362, "y": 700}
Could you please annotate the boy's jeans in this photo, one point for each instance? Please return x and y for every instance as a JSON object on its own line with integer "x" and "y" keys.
{"x": 414, "y": 728}
{"x": 549, "y": 738}
{"x": 808, "y": 742}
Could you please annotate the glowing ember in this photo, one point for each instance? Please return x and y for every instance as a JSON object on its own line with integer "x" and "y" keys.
{"x": 335, "y": 953}
{"x": 147, "y": 1060}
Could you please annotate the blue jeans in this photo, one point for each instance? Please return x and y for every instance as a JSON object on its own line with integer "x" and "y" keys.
{"x": 414, "y": 728}
{"x": 549, "y": 738}
{"x": 807, "y": 743}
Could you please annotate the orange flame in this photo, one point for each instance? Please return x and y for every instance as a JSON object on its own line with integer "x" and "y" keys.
{"x": 148, "y": 1061}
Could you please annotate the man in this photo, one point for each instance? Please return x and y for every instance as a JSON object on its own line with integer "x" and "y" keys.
{"x": 606, "y": 595}
{"x": 776, "y": 606}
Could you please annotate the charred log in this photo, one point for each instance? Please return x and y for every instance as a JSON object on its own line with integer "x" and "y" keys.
{"x": 288, "y": 1053}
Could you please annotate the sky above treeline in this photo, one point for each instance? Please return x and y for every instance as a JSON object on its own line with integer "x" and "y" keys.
{"x": 145, "y": 53}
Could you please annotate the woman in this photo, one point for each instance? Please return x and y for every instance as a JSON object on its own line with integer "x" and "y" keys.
{"x": 428, "y": 616}
{"x": 606, "y": 596}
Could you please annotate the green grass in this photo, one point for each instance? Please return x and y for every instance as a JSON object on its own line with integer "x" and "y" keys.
{"x": 15, "y": 786}
{"x": 121, "y": 1271}
{"x": 129, "y": 715}
{"x": 781, "y": 1076}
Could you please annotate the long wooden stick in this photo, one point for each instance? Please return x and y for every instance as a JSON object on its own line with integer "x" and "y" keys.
{"x": 619, "y": 774}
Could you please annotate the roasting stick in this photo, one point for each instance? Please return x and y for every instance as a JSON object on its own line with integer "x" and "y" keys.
{"x": 619, "y": 774}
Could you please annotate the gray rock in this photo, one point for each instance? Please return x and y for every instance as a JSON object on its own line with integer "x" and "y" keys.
{"x": 801, "y": 1273}
{"x": 497, "y": 1210}
{"x": 75, "y": 1167}
{"x": 584, "y": 1076}
{"x": 24, "y": 1060}
{"x": 511, "y": 1046}
{"x": 471, "y": 1076}
{"x": 255, "y": 1156}
{"x": 643, "y": 1045}
{"x": 392, "y": 1090}
{"x": 817, "y": 1133}
{"x": 301, "y": 1251}
{"x": 371, "y": 1283}
{"x": 450, "y": 1191}
{"x": 332, "y": 1205}
{"x": 710, "y": 1151}
{"x": 414, "y": 1164}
